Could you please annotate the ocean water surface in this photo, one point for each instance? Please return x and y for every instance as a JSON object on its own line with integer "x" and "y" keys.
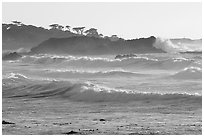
{"x": 133, "y": 89}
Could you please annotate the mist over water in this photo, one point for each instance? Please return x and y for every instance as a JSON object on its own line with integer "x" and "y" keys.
{"x": 178, "y": 46}
{"x": 119, "y": 89}
{"x": 174, "y": 74}
{"x": 112, "y": 76}
{"x": 80, "y": 78}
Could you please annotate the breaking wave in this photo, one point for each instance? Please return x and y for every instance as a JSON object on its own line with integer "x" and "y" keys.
{"x": 169, "y": 46}
{"x": 189, "y": 73}
{"x": 88, "y": 92}
{"x": 89, "y": 62}
{"x": 15, "y": 76}
{"x": 83, "y": 73}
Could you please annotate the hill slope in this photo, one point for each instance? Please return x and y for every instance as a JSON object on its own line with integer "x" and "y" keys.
{"x": 93, "y": 46}
{"x": 28, "y": 36}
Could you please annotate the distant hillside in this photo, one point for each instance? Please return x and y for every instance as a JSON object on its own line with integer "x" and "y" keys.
{"x": 93, "y": 46}
{"x": 61, "y": 40}
{"x": 27, "y": 36}
{"x": 186, "y": 40}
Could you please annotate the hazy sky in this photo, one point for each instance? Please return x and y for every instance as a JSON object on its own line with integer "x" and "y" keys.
{"x": 127, "y": 20}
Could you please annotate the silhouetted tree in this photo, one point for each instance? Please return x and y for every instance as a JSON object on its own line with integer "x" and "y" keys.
{"x": 92, "y": 32}
{"x": 54, "y": 26}
{"x": 60, "y": 27}
{"x": 114, "y": 38}
{"x": 68, "y": 27}
{"x": 79, "y": 30}
{"x": 101, "y": 35}
{"x": 76, "y": 29}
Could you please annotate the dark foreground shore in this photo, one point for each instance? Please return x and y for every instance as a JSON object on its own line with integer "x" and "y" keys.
{"x": 48, "y": 116}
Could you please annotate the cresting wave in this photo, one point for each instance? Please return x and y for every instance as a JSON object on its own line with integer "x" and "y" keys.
{"x": 47, "y": 58}
{"x": 166, "y": 45}
{"x": 189, "y": 73}
{"x": 87, "y": 92}
{"x": 139, "y": 62}
{"x": 15, "y": 75}
{"x": 83, "y": 73}
{"x": 169, "y": 46}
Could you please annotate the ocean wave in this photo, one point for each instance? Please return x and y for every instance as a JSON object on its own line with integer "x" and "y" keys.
{"x": 97, "y": 62}
{"x": 42, "y": 59}
{"x": 88, "y": 92}
{"x": 46, "y": 58}
{"x": 166, "y": 45}
{"x": 84, "y": 73}
{"x": 169, "y": 46}
{"x": 189, "y": 73}
{"x": 11, "y": 79}
{"x": 14, "y": 76}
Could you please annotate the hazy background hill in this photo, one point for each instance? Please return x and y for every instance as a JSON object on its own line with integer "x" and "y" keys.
{"x": 27, "y": 36}
{"x": 93, "y": 46}
{"x": 81, "y": 41}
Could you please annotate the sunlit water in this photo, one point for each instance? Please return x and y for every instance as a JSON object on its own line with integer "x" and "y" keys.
{"x": 147, "y": 74}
